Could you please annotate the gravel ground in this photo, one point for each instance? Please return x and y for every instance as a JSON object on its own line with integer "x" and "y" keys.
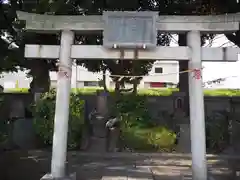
{"x": 32, "y": 165}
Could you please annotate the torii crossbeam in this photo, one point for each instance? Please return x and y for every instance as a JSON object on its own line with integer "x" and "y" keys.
{"x": 160, "y": 53}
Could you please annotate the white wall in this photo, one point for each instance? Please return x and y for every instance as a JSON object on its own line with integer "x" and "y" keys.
{"x": 169, "y": 67}
{"x": 10, "y": 80}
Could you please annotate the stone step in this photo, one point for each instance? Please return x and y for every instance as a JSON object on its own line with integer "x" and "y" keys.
{"x": 127, "y": 173}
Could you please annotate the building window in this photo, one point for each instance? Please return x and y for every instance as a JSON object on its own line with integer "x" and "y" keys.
{"x": 158, "y": 70}
{"x": 91, "y": 83}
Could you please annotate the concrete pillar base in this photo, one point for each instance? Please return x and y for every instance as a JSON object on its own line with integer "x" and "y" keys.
{"x": 50, "y": 177}
{"x": 184, "y": 142}
{"x": 97, "y": 145}
{"x": 189, "y": 177}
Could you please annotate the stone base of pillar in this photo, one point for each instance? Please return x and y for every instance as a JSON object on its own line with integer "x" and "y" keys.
{"x": 37, "y": 96}
{"x": 50, "y": 177}
{"x": 97, "y": 145}
{"x": 189, "y": 177}
{"x": 235, "y": 143}
{"x": 113, "y": 140}
{"x": 184, "y": 141}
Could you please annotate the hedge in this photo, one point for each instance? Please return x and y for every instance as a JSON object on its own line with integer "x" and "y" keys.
{"x": 150, "y": 92}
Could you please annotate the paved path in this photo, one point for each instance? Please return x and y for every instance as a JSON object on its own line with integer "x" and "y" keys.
{"x": 120, "y": 166}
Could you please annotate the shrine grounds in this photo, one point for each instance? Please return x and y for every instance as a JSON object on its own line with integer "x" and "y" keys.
{"x": 32, "y": 165}
{"x": 144, "y": 153}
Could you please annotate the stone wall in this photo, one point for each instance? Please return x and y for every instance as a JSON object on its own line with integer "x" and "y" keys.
{"x": 160, "y": 107}
{"x": 157, "y": 105}
{"x": 14, "y": 104}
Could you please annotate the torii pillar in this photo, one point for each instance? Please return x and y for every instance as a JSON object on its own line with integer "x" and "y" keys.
{"x": 196, "y": 99}
{"x": 60, "y": 134}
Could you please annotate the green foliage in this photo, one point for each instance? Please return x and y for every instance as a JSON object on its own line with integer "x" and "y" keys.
{"x": 133, "y": 109}
{"x": 217, "y": 133}
{"x": 170, "y": 91}
{"x": 146, "y": 92}
{"x": 44, "y": 119}
{"x": 137, "y": 137}
{"x": 17, "y": 90}
{"x": 222, "y": 92}
{"x": 86, "y": 90}
{"x": 138, "y": 132}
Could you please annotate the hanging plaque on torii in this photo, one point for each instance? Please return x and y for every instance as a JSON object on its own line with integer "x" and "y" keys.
{"x": 130, "y": 30}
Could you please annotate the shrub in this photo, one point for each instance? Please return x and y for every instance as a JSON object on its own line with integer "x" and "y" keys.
{"x": 218, "y": 134}
{"x": 44, "y": 119}
{"x": 134, "y": 111}
{"x": 148, "y": 139}
{"x": 138, "y": 131}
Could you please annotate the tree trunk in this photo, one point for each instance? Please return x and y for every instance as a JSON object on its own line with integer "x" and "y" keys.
{"x": 104, "y": 79}
{"x": 135, "y": 85}
{"x": 183, "y": 78}
{"x": 41, "y": 78}
{"x": 117, "y": 86}
{"x": 134, "y": 70}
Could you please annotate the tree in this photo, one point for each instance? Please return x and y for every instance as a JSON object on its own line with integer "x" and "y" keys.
{"x": 13, "y": 59}
{"x": 7, "y": 35}
{"x": 80, "y": 7}
{"x": 230, "y": 6}
{"x": 40, "y": 68}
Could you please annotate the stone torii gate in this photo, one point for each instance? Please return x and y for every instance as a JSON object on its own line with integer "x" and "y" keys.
{"x": 146, "y": 50}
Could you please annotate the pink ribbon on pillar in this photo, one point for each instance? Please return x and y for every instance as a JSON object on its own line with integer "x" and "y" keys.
{"x": 197, "y": 74}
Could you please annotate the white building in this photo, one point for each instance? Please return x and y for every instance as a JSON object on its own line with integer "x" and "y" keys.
{"x": 162, "y": 72}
